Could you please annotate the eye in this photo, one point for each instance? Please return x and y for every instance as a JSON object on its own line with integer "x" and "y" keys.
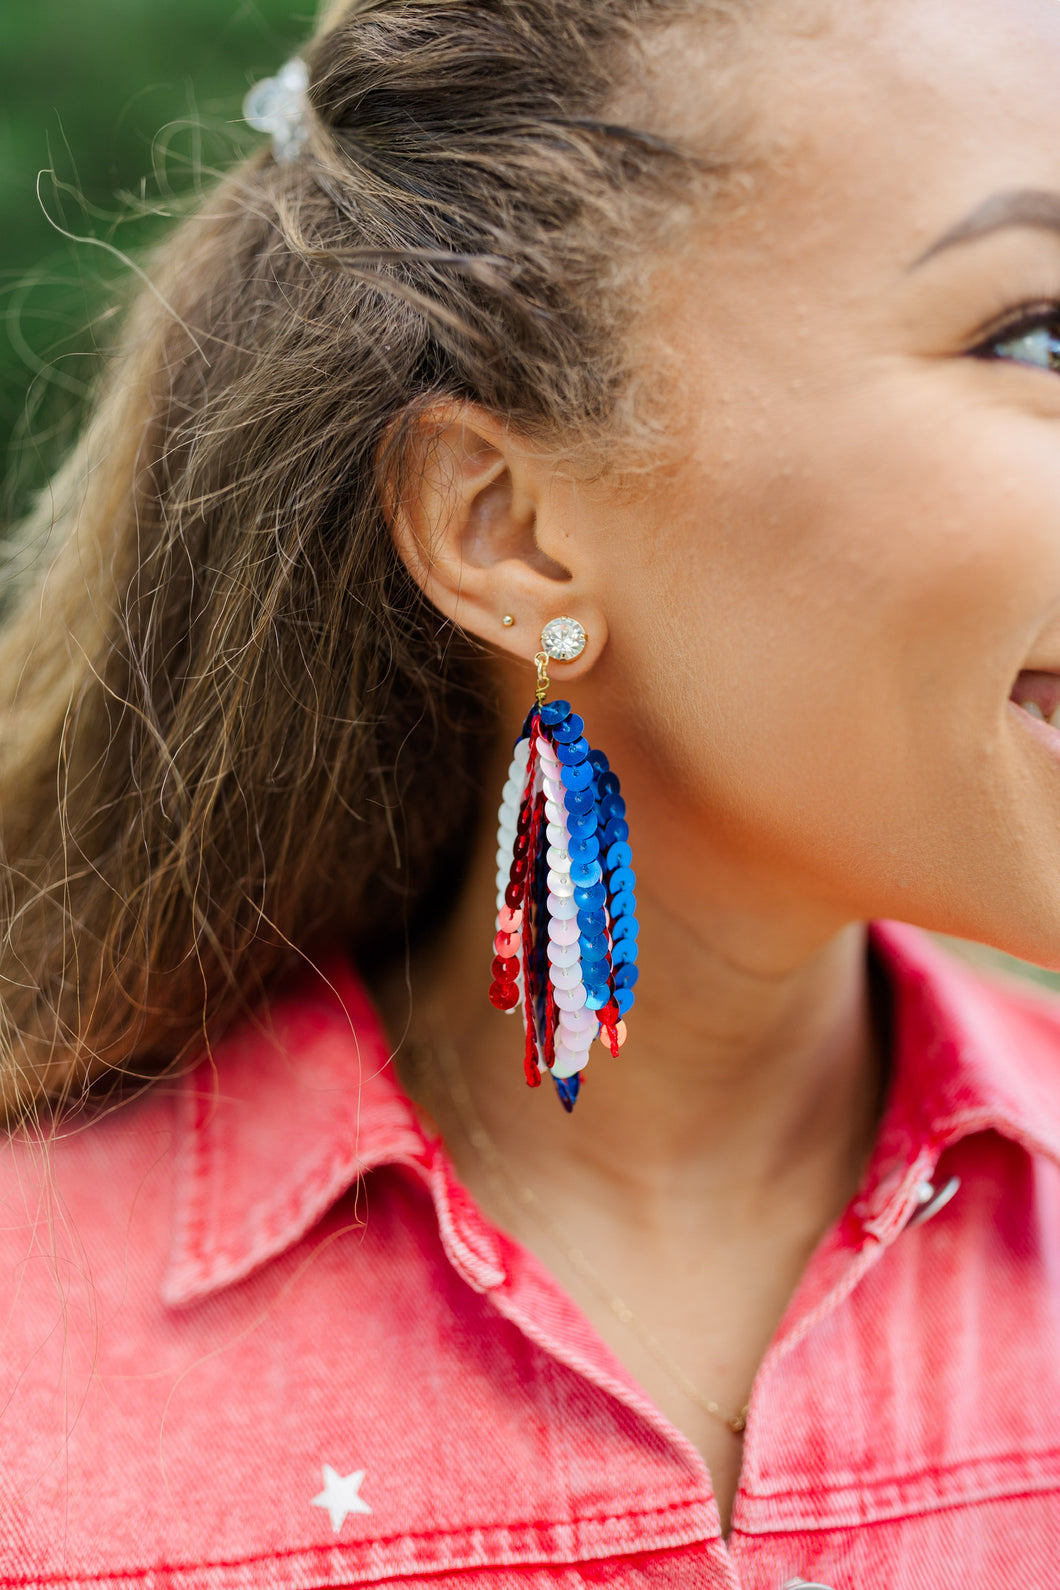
{"x": 1033, "y": 340}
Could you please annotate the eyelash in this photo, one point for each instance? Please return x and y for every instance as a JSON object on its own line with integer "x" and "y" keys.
{"x": 1042, "y": 316}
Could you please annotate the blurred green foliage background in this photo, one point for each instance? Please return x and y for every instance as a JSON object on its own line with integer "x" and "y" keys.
{"x": 109, "y": 109}
{"x": 111, "y": 113}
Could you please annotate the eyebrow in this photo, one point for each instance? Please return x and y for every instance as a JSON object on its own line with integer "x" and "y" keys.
{"x": 1034, "y": 207}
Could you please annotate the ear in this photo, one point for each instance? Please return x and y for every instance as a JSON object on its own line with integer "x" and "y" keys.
{"x": 473, "y": 510}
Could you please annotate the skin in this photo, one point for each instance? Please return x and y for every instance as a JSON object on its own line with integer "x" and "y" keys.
{"x": 805, "y": 627}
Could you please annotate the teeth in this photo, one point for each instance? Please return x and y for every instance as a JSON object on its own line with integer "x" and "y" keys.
{"x": 1036, "y": 712}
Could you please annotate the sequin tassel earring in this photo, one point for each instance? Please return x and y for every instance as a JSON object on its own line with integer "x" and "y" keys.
{"x": 565, "y": 950}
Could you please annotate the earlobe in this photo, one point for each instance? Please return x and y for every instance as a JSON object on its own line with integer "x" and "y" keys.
{"x": 463, "y": 502}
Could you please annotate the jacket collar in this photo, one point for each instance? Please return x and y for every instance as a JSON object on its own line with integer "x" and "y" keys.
{"x": 296, "y": 1105}
{"x": 292, "y": 1108}
{"x": 973, "y": 1050}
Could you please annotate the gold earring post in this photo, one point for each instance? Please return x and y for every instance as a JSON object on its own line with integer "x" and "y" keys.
{"x": 543, "y": 681}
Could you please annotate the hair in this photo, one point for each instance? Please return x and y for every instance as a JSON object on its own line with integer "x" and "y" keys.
{"x": 232, "y": 729}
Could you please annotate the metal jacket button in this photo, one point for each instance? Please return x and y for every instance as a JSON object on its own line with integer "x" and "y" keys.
{"x": 932, "y": 1200}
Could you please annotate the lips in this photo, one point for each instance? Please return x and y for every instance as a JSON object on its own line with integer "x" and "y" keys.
{"x": 1038, "y": 694}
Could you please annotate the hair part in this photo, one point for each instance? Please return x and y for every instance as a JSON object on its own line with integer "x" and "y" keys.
{"x": 233, "y": 728}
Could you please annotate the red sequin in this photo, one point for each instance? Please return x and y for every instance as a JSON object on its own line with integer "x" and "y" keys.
{"x": 551, "y": 1023}
{"x": 504, "y": 995}
{"x": 531, "y": 1057}
{"x": 516, "y": 920}
{"x": 609, "y": 1022}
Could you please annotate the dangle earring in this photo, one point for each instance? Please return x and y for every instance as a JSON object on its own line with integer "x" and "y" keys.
{"x": 565, "y": 950}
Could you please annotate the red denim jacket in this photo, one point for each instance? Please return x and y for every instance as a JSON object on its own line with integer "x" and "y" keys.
{"x": 255, "y": 1335}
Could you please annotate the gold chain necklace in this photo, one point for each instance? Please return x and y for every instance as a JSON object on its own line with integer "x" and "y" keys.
{"x": 525, "y": 1198}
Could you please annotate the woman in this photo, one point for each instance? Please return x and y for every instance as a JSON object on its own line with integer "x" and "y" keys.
{"x": 729, "y": 333}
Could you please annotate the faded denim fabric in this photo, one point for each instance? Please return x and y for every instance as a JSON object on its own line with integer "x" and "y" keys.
{"x": 255, "y": 1335}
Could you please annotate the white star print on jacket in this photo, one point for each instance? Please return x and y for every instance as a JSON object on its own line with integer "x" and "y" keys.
{"x": 341, "y": 1495}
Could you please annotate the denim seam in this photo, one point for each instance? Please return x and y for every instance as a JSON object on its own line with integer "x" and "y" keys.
{"x": 912, "y": 1476}
{"x": 381, "y": 1542}
{"x": 907, "y": 1512}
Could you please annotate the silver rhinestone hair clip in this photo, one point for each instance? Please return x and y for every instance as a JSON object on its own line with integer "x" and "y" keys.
{"x": 280, "y": 105}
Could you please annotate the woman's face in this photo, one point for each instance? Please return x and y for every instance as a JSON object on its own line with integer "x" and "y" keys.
{"x": 819, "y": 612}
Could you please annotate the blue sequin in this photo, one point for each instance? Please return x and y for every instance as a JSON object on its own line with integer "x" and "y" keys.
{"x": 568, "y": 1089}
{"x": 577, "y": 751}
{"x": 624, "y": 1000}
{"x": 624, "y": 904}
{"x": 592, "y": 947}
{"x": 596, "y": 979}
{"x": 599, "y": 761}
{"x": 627, "y": 927}
{"x": 626, "y": 976}
{"x": 608, "y": 785}
{"x": 584, "y": 849}
{"x": 570, "y": 729}
{"x": 554, "y": 712}
{"x": 579, "y": 778}
{"x": 592, "y": 923}
{"x": 579, "y": 802}
{"x": 580, "y": 827}
{"x": 592, "y": 898}
{"x": 623, "y": 879}
{"x": 625, "y": 952}
{"x": 586, "y": 872}
{"x": 619, "y": 856}
{"x": 612, "y": 808}
{"x": 616, "y": 832}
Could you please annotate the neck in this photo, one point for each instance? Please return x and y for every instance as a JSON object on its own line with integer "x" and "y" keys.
{"x": 751, "y": 1076}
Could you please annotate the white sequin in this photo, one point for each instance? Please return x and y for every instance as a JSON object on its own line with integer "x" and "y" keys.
{"x": 578, "y": 1041}
{"x": 563, "y": 907}
{"x": 579, "y": 1021}
{"x": 563, "y": 954}
{"x": 568, "y": 1062}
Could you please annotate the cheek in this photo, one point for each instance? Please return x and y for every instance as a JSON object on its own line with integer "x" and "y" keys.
{"x": 826, "y": 634}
